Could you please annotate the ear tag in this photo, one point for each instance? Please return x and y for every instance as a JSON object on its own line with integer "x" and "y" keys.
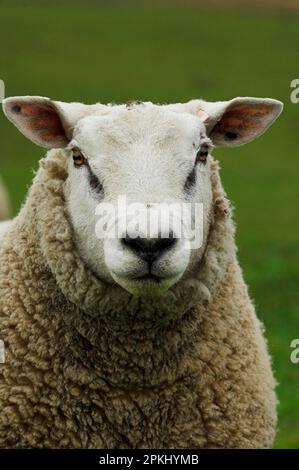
{"x": 202, "y": 115}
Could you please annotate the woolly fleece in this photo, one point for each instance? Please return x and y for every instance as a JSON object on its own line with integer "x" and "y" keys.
{"x": 88, "y": 365}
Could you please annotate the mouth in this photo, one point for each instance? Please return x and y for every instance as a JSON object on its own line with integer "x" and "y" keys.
{"x": 148, "y": 277}
{"x": 147, "y": 285}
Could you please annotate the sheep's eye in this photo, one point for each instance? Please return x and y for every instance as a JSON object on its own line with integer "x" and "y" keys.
{"x": 78, "y": 158}
{"x": 202, "y": 154}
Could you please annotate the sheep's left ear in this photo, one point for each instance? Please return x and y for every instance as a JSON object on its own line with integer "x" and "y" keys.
{"x": 238, "y": 121}
{"x": 47, "y": 123}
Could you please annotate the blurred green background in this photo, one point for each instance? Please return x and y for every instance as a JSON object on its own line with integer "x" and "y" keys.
{"x": 116, "y": 51}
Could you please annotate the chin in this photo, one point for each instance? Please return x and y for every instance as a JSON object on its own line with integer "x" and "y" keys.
{"x": 147, "y": 286}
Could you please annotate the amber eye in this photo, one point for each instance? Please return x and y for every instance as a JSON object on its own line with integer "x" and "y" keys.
{"x": 202, "y": 154}
{"x": 78, "y": 158}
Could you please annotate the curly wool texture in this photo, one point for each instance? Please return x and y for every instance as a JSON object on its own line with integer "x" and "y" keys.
{"x": 88, "y": 365}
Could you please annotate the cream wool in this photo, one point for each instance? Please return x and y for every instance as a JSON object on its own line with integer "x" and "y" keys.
{"x": 89, "y": 365}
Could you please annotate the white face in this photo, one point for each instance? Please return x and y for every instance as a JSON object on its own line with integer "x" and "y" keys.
{"x": 150, "y": 155}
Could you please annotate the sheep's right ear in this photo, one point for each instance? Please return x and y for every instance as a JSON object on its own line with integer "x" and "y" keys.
{"x": 47, "y": 123}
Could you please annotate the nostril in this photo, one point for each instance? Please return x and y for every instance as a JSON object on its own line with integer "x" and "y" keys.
{"x": 136, "y": 243}
{"x": 164, "y": 243}
{"x": 149, "y": 249}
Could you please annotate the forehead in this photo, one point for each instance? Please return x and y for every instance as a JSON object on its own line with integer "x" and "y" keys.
{"x": 148, "y": 124}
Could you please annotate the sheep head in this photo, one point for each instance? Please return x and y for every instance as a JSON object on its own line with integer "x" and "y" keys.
{"x": 138, "y": 192}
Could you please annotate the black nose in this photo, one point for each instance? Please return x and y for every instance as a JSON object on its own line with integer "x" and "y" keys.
{"x": 149, "y": 249}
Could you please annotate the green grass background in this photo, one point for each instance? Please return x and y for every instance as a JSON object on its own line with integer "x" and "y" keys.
{"x": 117, "y": 51}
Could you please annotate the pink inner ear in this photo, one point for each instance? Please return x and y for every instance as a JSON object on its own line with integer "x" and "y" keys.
{"x": 242, "y": 121}
{"x": 41, "y": 122}
{"x": 202, "y": 115}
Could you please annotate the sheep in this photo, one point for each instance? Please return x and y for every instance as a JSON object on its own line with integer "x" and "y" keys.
{"x": 130, "y": 342}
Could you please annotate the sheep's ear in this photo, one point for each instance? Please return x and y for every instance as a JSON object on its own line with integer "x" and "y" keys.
{"x": 47, "y": 123}
{"x": 238, "y": 121}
